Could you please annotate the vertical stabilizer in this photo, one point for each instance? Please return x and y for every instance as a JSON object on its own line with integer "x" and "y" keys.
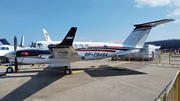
{"x": 139, "y": 35}
{"x": 46, "y": 35}
{"x": 22, "y": 42}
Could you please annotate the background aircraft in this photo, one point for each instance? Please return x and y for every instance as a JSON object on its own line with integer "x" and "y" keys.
{"x": 7, "y": 47}
{"x": 64, "y": 52}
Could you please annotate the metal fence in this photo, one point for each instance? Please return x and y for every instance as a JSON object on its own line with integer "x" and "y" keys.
{"x": 167, "y": 58}
{"x": 173, "y": 91}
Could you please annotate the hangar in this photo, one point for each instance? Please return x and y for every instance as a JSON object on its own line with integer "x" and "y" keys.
{"x": 166, "y": 44}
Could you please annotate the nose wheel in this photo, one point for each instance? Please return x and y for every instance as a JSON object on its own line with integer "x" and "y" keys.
{"x": 9, "y": 70}
{"x": 68, "y": 70}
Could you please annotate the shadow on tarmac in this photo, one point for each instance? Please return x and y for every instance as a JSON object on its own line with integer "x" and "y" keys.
{"x": 35, "y": 84}
{"x": 44, "y": 78}
{"x": 105, "y": 71}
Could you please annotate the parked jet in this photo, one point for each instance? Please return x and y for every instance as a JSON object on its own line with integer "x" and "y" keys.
{"x": 63, "y": 53}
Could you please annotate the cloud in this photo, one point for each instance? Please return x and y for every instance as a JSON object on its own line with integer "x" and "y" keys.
{"x": 178, "y": 28}
{"x": 176, "y": 2}
{"x": 177, "y": 21}
{"x": 155, "y": 3}
{"x": 175, "y": 13}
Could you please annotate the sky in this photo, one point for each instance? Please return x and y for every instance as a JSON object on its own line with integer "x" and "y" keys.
{"x": 96, "y": 20}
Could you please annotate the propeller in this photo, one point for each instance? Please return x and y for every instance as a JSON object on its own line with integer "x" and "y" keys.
{"x": 15, "y": 49}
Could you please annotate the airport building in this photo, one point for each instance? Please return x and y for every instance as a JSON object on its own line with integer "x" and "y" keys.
{"x": 166, "y": 44}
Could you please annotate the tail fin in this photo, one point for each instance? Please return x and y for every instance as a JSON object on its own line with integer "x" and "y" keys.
{"x": 67, "y": 41}
{"x": 139, "y": 35}
{"x": 46, "y": 35}
{"x": 64, "y": 51}
{"x": 22, "y": 42}
{"x": 69, "y": 38}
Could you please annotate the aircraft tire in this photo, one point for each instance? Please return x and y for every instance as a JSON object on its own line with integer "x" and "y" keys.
{"x": 67, "y": 71}
{"x": 9, "y": 70}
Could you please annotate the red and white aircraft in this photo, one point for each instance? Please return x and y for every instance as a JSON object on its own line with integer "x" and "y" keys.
{"x": 58, "y": 53}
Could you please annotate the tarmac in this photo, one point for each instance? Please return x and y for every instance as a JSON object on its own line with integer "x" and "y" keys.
{"x": 91, "y": 81}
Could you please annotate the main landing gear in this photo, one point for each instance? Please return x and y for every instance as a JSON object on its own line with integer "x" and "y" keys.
{"x": 9, "y": 69}
{"x": 68, "y": 70}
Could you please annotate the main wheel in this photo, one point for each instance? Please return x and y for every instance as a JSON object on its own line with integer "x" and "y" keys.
{"x": 9, "y": 70}
{"x": 67, "y": 71}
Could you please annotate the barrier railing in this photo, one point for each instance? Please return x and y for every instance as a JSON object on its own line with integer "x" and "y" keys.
{"x": 173, "y": 91}
{"x": 164, "y": 59}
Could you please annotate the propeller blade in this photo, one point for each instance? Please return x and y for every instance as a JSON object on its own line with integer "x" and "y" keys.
{"x": 15, "y": 43}
{"x": 15, "y": 49}
{"x": 16, "y": 65}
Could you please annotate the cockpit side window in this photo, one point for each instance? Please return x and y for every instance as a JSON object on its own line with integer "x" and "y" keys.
{"x": 75, "y": 46}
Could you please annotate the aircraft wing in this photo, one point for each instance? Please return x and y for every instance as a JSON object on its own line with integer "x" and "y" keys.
{"x": 4, "y": 42}
{"x": 65, "y": 51}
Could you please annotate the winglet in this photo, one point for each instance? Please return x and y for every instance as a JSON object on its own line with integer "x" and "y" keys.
{"x": 69, "y": 38}
{"x": 153, "y": 23}
{"x": 46, "y": 35}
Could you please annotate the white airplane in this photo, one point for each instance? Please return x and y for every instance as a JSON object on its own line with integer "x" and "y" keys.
{"x": 67, "y": 51}
{"x": 7, "y": 47}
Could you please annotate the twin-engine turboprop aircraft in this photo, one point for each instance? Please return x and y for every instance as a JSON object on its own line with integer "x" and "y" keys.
{"x": 67, "y": 51}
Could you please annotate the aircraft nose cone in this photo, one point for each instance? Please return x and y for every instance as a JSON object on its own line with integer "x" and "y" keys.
{"x": 10, "y": 54}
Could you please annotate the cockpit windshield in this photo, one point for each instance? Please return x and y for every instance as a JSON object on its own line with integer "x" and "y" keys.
{"x": 4, "y": 48}
{"x": 33, "y": 45}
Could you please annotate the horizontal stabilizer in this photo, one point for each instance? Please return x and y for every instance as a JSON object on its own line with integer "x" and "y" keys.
{"x": 4, "y": 42}
{"x": 153, "y": 23}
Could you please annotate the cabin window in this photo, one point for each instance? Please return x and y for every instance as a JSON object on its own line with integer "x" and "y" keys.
{"x": 105, "y": 46}
{"x": 39, "y": 45}
{"x": 7, "y": 48}
{"x": 75, "y": 46}
{"x": 80, "y": 46}
{"x": 4, "y": 48}
{"x": 86, "y": 46}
